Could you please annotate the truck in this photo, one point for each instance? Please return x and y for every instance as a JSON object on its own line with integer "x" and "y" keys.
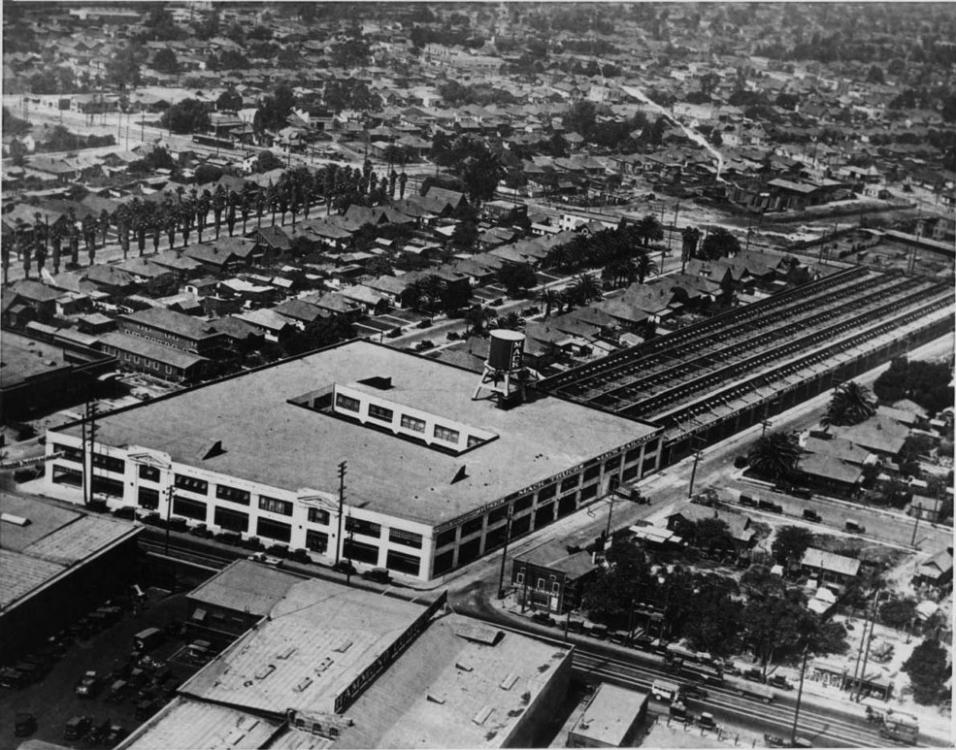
{"x": 753, "y": 690}
{"x": 900, "y": 727}
{"x": 148, "y": 639}
{"x": 665, "y": 691}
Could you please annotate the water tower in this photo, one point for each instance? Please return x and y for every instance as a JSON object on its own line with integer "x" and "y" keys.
{"x": 503, "y": 371}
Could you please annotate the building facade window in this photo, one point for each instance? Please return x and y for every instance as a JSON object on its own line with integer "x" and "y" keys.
{"x": 108, "y": 486}
{"x": 413, "y": 424}
{"x": 447, "y": 434}
{"x": 102, "y": 461}
{"x": 272, "y": 505}
{"x": 149, "y": 473}
{"x": 191, "y": 483}
{"x": 183, "y": 506}
{"x": 470, "y": 527}
{"x": 406, "y": 538}
{"x": 231, "y": 520}
{"x": 69, "y": 452}
{"x": 546, "y": 493}
{"x": 281, "y": 532}
{"x": 147, "y": 498}
{"x": 402, "y": 563}
{"x": 592, "y": 472}
{"x": 519, "y": 578}
{"x": 346, "y": 402}
{"x": 316, "y": 541}
{"x": 232, "y": 494}
{"x": 588, "y": 492}
{"x": 380, "y": 413}
{"x": 570, "y": 483}
{"x": 361, "y": 526}
{"x": 446, "y": 537}
{"x": 540, "y": 585}
{"x": 473, "y": 441}
{"x": 65, "y": 475}
{"x": 522, "y": 502}
{"x": 366, "y": 553}
{"x": 613, "y": 464}
{"x": 318, "y": 515}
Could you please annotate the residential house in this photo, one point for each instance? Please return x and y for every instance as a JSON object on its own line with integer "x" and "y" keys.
{"x": 829, "y": 566}
{"x": 937, "y": 570}
{"x": 269, "y": 323}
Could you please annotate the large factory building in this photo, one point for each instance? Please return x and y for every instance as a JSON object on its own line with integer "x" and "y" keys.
{"x": 438, "y": 463}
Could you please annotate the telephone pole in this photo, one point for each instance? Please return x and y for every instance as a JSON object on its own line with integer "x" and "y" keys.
{"x": 796, "y": 710}
{"x": 343, "y": 466}
{"x": 693, "y": 472}
{"x": 919, "y": 510}
{"x": 504, "y": 556}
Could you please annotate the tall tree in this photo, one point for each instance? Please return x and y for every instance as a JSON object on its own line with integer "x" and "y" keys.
{"x": 928, "y": 668}
{"x": 719, "y": 243}
{"x": 790, "y": 543}
{"x": 774, "y": 455}
{"x": 850, "y": 404}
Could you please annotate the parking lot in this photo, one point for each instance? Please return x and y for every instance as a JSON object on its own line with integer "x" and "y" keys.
{"x": 149, "y": 681}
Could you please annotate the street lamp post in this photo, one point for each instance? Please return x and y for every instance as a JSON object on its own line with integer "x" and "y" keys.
{"x": 343, "y": 465}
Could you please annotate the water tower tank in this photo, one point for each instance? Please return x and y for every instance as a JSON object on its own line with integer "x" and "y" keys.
{"x": 506, "y": 349}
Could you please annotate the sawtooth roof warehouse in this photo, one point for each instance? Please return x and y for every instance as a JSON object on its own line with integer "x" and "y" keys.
{"x": 431, "y": 473}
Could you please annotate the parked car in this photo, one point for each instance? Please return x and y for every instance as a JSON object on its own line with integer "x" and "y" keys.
{"x": 24, "y": 724}
{"x": 812, "y": 515}
{"x": 779, "y": 681}
{"x": 344, "y": 566}
{"x": 89, "y": 684}
{"x": 265, "y": 559}
{"x": 748, "y": 501}
{"x": 854, "y": 527}
{"x": 200, "y": 529}
{"x": 146, "y": 708}
{"x": 773, "y": 740}
{"x": 117, "y": 732}
{"x": 378, "y": 575}
{"x": 754, "y": 675}
{"x": 77, "y": 727}
{"x": 706, "y": 720}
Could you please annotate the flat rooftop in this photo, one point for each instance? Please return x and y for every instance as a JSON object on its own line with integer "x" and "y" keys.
{"x": 54, "y": 542}
{"x": 24, "y": 358}
{"x": 472, "y": 684}
{"x": 315, "y": 642}
{"x": 268, "y": 440}
{"x": 246, "y": 586}
{"x": 186, "y": 723}
{"x": 609, "y": 716}
{"x": 459, "y": 683}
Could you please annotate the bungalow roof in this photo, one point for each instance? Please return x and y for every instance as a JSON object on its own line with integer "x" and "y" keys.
{"x": 298, "y": 309}
{"x": 830, "y": 467}
{"x": 830, "y": 562}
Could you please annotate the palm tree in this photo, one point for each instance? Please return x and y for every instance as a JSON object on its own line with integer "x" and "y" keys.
{"x": 218, "y": 204}
{"x": 122, "y": 218}
{"x": 550, "y": 298}
{"x": 643, "y": 265}
{"x": 104, "y": 225}
{"x": 5, "y": 259}
{"x": 585, "y": 289}
{"x": 202, "y": 212}
{"x": 775, "y": 455}
{"x": 74, "y": 242}
{"x": 649, "y": 228}
{"x": 851, "y": 403}
{"x": 232, "y": 199}
{"x": 56, "y": 241}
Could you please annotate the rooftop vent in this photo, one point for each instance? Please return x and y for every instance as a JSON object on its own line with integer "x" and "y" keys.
{"x": 482, "y": 716}
{"x": 211, "y": 450}
{"x": 14, "y": 519}
{"x": 378, "y": 381}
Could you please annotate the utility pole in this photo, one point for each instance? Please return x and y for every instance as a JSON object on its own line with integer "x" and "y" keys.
{"x": 764, "y": 424}
{"x": 919, "y": 510}
{"x": 610, "y": 512}
{"x": 504, "y": 556}
{"x": 343, "y": 465}
{"x": 796, "y": 710}
{"x": 866, "y": 655}
{"x": 89, "y": 442}
{"x": 169, "y": 512}
{"x": 693, "y": 473}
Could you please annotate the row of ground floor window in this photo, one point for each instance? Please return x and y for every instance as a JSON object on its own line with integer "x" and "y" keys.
{"x": 372, "y": 539}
